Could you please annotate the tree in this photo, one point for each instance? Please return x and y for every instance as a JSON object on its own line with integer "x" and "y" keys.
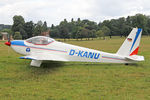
{"x": 100, "y": 34}
{"x": 0, "y": 35}
{"x": 8, "y": 31}
{"x": 54, "y": 32}
{"x": 93, "y": 34}
{"x": 29, "y": 28}
{"x": 78, "y": 20}
{"x": 72, "y": 20}
{"x": 90, "y": 26}
{"x": 147, "y": 26}
{"x": 44, "y": 27}
{"x": 74, "y": 32}
{"x": 63, "y": 28}
{"x": 17, "y": 36}
{"x": 106, "y": 31}
{"x": 23, "y": 33}
{"x": 38, "y": 28}
{"x": 83, "y": 33}
{"x": 18, "y": 26}
{"x": 52, "y": 27}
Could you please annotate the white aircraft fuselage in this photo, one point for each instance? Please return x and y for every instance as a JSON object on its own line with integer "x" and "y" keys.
{"x": 41, "y": 48}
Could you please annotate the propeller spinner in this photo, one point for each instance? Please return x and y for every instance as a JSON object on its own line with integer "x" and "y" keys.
{"x": 8, "y": 43}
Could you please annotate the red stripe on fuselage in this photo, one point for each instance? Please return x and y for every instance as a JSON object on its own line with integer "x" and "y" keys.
{"x": 112, "y": 58}
{"x": 41, "y": 48}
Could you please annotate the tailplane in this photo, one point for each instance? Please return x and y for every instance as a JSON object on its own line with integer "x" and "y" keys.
{"x": 131, "y": 44}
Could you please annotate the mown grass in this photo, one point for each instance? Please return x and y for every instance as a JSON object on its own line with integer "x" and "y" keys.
{"x": 75, "y": 80}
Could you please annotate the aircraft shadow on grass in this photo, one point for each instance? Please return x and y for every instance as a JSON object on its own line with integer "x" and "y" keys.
{"x": 55, "y": 64}
{"x": 50, "y": 68}
{"x": 46, "y": 68}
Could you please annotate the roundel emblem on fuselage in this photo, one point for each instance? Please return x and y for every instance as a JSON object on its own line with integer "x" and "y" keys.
{"x": 27, "y": 49}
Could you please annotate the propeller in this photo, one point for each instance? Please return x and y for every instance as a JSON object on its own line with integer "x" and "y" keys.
{"x": 8, "y": 43}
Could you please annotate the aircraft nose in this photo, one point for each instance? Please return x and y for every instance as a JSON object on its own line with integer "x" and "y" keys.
{"x": 8, "y": 43}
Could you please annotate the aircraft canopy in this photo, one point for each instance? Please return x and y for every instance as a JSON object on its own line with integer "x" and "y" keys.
{"x": 40, "y": 40}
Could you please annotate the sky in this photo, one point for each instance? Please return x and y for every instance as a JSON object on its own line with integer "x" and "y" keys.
{"x": 54, "y": 11}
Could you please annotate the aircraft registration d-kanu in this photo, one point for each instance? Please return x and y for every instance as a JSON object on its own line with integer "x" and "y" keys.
{"x": 41, "y": 48}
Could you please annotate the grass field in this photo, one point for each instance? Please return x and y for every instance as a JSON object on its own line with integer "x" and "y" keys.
{"x": 75, "y": 80}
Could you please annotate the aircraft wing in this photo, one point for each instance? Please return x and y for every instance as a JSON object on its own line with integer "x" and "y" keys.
{"x": 44, "y": 57}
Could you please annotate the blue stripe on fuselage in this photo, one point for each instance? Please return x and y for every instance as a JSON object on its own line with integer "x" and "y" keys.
{"x": 137, "y": 35}
{"x": 18, "y": 42}
{"x": 21, "y": 43}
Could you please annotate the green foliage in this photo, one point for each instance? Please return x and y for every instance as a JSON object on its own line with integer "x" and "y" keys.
{"x": 39, "y": 28}
{"x": 54, "y": 32}
{"x": 45, "y": 28}
{"x": 106, "y": 30}
{"x": 0, "y": 36}
{"x": 123, "y": 26}
{"x": 17, "y": 36}
{"x": 18, "y": 26}
{"x": 100, "y": 33}
{"x": 29, "y": 28}
{"x": 114, "y": 27}
{"x": 64, "y": 30}
{"x": 7, "y": 30}
{"x": 74, "y": 29}
{"x": 83, "y": 32}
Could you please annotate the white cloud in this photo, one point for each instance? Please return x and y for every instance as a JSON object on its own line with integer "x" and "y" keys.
{"x": 55, "y": 11}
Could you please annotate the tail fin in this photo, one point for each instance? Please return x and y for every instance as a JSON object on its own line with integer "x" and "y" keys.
{"x": 131, "y": 44}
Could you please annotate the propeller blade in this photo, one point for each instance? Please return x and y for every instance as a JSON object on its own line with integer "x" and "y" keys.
{"x": 8, "y": 38}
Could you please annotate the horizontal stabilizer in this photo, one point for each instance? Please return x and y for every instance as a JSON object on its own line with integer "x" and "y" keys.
{"x": 135, "y": 58}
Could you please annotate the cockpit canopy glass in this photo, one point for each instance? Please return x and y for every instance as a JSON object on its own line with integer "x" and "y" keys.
{"x": 40, "y": 40}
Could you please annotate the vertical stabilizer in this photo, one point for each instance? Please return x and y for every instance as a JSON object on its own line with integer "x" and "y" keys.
{"x": 131, "y": 44}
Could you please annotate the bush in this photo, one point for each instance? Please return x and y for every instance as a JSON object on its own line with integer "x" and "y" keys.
{"x": 17, "y": 36}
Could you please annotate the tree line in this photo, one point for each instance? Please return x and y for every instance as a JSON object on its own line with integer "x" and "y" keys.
{"x": 23, "y": 30}
{"x": 89, "y": 29}
{"x": 79, "y": 29}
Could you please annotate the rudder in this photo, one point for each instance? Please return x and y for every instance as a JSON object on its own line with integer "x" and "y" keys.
{"x": 131, "y": 44}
